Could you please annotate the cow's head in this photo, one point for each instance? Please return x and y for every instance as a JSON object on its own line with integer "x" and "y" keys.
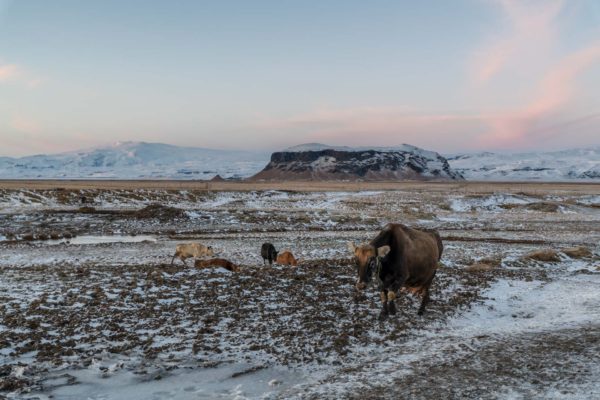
{"x": 366, "y": 261}
{"x": 209, "y": 251}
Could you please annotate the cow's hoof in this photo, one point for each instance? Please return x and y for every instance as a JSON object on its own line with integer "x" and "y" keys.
{"x": 383, "y": 315}
{"x": 359, "y": 297}
{"x": 420, "y": 312}
{"x": 392, "y": 308}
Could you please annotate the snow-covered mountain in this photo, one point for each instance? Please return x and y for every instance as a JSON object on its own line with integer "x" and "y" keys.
{"x": 140, "y": 160}
{"x": 566, "y": 165}
{"x": 315, "y": 161}
{"x": 136, "y": 160}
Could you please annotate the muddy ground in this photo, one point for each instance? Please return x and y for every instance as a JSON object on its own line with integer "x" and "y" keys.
{"x": 90, "y": 305}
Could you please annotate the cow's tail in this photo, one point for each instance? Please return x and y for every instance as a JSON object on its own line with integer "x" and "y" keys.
{"x": 440, "y": 245}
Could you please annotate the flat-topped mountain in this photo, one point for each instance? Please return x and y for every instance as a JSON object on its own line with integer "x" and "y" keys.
{"x": 315, "y": 161}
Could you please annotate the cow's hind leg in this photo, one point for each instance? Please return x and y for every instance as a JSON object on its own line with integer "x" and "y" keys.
{"x": 425, "y": 297}
{"x": 385, "y": 312}
{"x": 424, "y": 302}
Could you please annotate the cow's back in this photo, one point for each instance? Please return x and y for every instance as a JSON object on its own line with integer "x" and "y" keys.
{"x": 267, "y": 250}
{"x": 418, "y": 254}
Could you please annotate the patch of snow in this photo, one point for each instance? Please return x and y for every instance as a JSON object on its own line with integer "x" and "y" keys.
{"x": 514, "y": 306}
{"x": 490, "y": 203}
{"x": 91, "y": 239}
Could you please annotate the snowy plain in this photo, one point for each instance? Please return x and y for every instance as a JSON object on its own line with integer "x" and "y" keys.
{"x": 87, "y": 318}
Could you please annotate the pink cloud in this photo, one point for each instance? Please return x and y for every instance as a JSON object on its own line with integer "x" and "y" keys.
{"x": 34, "y": 138}
{"x": 554, "y": 91}
{"x": 532, "y": 30}
{"x": 15, "y": 73}
{"x": 381, "y": 126}
{"x": 8, "y": 71}
{"x": 24, "y": 125}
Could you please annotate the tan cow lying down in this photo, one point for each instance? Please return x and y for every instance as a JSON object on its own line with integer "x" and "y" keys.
{"x": 286, "y": 258}
{"x": 217, "y": 262}
{"x": 189, "y": 250}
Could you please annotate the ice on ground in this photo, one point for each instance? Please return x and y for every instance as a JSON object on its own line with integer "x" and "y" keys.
{"x": 91, "y": 239}
{"x": 513, "y": 307}
{"x": 225, "y": 381}
{"x": 489, "y": 203}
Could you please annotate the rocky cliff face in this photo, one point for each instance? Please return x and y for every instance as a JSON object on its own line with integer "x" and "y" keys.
{"x": 406, "y": 162}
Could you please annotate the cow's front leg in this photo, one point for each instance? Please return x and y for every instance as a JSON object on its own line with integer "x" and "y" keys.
{"x": 384, "y": 311}
{"x": 394, "y": 284}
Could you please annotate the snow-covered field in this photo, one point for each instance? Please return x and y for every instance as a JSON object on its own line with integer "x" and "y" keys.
{"x": 91, "y": 307}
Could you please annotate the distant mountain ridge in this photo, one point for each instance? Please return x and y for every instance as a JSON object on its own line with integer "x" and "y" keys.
{"x": 316, "y": 161}
{"x": 136, "y": 160}
{"x": 142, "y": 160}
{"x": 564, "y": 165}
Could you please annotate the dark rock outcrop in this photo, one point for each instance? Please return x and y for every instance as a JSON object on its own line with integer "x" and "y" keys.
{"x": 217, "y": 178}
{"x": 369, "y": 165}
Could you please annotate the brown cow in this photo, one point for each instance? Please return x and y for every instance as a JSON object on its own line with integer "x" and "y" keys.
{"x": 399, "y": 257}
{"x": 286, "y": 258}
{"x": 217, "y": 262}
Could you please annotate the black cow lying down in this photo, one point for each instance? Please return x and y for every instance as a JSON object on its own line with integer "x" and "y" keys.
{"x": 399, "y": 257}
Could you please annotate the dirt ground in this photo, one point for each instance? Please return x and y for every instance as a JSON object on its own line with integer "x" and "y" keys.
{"x": 308, "y": 186}
{"x": 91, "y": 306}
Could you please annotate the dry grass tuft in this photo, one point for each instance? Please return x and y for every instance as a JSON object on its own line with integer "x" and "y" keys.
{"x": 160, "y": 212}
{"x": 545, "y": 255}
{"x": 543, "y": 207}
{"x": 480, "y": 267}
{"x": 578, "y": 252}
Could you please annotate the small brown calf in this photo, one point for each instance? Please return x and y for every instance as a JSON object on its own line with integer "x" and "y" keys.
{"x": 217, "y": 262}
{"x": 286, "y": 258}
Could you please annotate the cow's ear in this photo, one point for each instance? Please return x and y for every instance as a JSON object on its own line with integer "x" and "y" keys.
{"x": 383, "y": 251}
{"x": 352, "y": 247}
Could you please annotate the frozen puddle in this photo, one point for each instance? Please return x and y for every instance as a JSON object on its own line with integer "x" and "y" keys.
{"x": 91, "y": 239}
{"x": 227, "y": 381}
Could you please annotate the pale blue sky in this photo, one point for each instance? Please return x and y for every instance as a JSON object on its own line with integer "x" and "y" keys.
{"x": 450, "y": 76}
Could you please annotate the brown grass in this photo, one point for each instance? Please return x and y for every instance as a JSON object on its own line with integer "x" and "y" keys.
{"x": 545, "y": 255}
{"x": 480, "y": 267}
{"x": 492, "y": 240}
{"x": 578, "y": 252}
{"x": 543, "y": 206}
{"x": 532, "y": 188}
